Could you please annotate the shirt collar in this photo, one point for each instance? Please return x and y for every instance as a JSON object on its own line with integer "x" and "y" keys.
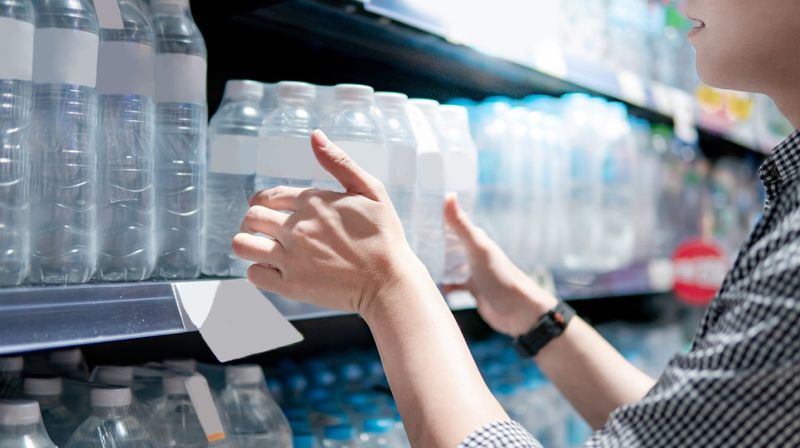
{"x": 781, "y": 167}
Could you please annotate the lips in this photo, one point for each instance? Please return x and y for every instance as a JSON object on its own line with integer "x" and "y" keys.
{"x": 699, "y": 25}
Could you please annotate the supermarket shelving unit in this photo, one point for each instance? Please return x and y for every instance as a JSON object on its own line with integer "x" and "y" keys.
{"x": 324, "y": 42}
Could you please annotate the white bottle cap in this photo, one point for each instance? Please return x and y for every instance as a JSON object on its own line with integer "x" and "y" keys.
{"x": 430, "y": 108}
{"x": 43, "y": 386}
{"x": 185, "y": 365}
{"x": 391, "y": 100}
{"x": 19, "y": 412}
{"x": 246, "y": 374}
{"x": 67, "y": 357}
{"x": 174, "y": 385}
{"x": 296, "y": 89}
{"x": 11, "y": 364}
{"x": 115, "y": 375}
{"x": 353, "y": 92}
{"x": 454, "y": 115}
{"x": 113, "y": 397}
{"x": 243, "y": 89}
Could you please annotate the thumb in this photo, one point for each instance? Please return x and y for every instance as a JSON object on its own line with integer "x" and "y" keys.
{"x": 472, "y": 236}
{"x": 335, "y": 161}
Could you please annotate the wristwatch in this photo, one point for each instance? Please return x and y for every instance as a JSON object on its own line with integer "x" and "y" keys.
{"x": 549, "y": 327}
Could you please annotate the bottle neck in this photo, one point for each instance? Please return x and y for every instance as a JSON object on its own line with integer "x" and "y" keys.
{"x": 47, "y": 400}
{"x": 172, "y": 10}
{"x": 19, "y": 430}
{"x": 111, "y": 411}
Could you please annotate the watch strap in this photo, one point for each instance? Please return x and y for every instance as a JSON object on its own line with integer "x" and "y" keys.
{"x": 551, "y": 325}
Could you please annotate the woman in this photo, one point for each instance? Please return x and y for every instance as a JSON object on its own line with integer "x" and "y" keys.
{"x": 738, "y": 386}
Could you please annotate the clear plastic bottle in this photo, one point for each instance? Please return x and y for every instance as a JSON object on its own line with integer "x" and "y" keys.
{"x": 402, "y": 147}
{"x": 64, "y": 189}
{"x": 233, "y": 147}
{"x": 58, "y": 420}
{"x": 125, "y": 145}
{"x": 256, "y": 420}
{"x": 355, "y": 127}
{"x": 69, "y": 363}
{"x": 377, "y": 433}
{"x": 16, "y": 89}
{"x": 175, "y": 421}
{"x": 11, "y": 376}
{"x": 286, "y": 157}
{"x": 181, "y": 125}
{"x": 339, "y": 436}
{"x": 429, "y": 207}
{"x": 21, "y": 425}
{"x": 111, "y": 424}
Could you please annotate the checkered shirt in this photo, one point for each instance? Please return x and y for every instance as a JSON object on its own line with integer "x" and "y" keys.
{"x": 739, "y": 385}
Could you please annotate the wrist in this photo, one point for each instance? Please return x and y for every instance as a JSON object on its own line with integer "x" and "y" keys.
{"x": 536, "y": 302}
{"x": 397, "y": 288}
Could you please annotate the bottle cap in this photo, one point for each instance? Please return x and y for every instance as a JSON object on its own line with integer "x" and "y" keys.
{"x": 11, "y": 364}
{"x": 174, "y": 385}
{"x": 353, "y": 92}
{"x": 19, "y": 412}
{"x": 185, "y": 365}
{"x": 245, "y": 374}
{"x": 67, "y": 357}
{"x": 112, "y": 397}
{"x": 430, "y": 108}
{"x": 43, "y": 386}
{"x": 385, "y": 100}
{"x": 116, "y": 375}
{"x": 243, "y": 89}
{"x": 339, "y": 432}
{"x": 455, "y": 115}
{"x": 296, "y": 89}
{"x": 378, "y": 425}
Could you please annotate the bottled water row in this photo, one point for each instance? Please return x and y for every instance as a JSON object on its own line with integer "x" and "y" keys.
{"x": 158, "y": 405}
{"x": 103, "y": 138}
{"x": 260, "y": 138}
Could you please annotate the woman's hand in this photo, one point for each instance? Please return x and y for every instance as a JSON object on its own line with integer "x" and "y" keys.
{"x": 508, "y": 300}
{"x": 335, "y": 250}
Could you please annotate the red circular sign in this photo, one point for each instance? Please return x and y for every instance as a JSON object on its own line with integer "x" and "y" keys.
{"x": 699, "y": 268}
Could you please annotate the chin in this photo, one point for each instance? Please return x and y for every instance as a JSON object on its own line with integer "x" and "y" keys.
{"x": 721, "y": 73}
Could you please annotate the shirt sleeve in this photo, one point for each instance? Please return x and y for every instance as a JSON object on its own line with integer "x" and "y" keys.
{"x": 508, "y": 434}
{"x": 739, "y": 385}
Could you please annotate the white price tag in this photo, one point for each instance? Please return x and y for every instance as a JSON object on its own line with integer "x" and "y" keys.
{"x": 632, "y": 87}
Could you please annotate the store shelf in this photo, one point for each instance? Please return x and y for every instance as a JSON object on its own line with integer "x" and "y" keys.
{"x": 46, "y": 317}
{"x": 413, "y": 54}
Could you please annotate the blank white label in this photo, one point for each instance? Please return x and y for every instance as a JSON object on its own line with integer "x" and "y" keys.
{"x": 430, "y": 172}
{"x": 461, "y": 171}
{"x": 108, "y": 14}
{"x": 126, "y": 68}
{"x": 64, "y": 56}
{"x": 287, "y": 157}
{"x": 232, "y": 154}
{"x": 402, "y": 164}
{"x": 16, "y": 60}
{"x": 372, "y": 157}
{"x": 180, "y": 78}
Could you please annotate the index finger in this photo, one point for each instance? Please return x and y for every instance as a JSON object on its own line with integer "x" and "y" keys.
{"x": 277, "y": 198}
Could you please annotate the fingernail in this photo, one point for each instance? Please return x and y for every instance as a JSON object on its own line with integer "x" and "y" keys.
{"x": 326, "y": 142}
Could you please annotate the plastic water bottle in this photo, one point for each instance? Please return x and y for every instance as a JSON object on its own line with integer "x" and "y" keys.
{"x": 339, "y": 436}
{"x": 286, "y": 157}
{"x": 233, "y": 146}
{"x": 125, "y": 143}
{"x": 461, "y": 176}
{"x": 11, "y": 376}
{"x": 58, "y": 420}
{"x": 175, "y": 421}
{"x": 63, "y": 210}
{"x": 269, "y": 101}
{"x": 69, "y": 363}
{"x": 114, "y": 375}
{"x": 377, "y": 433}
{"x": 181, "y": 125}
{"x": 256, "y": 420}
{"x": 21, "y": 425}
{"x": 429, "y": 206}
{"x": 16, "y": 89}
{"x": 111, "y": 424}
{"x": 355, "y": 127}
{"x": 187, "y": 365}
{"x": 402, "y": 147}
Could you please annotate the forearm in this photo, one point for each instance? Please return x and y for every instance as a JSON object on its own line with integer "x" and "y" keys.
{"x": 439, "y": 391}
{"x": 591, "y": 374}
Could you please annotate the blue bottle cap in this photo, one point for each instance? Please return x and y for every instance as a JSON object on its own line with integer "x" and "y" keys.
{"x": 378, "y": 425}
{"x": 339, "y": 432}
